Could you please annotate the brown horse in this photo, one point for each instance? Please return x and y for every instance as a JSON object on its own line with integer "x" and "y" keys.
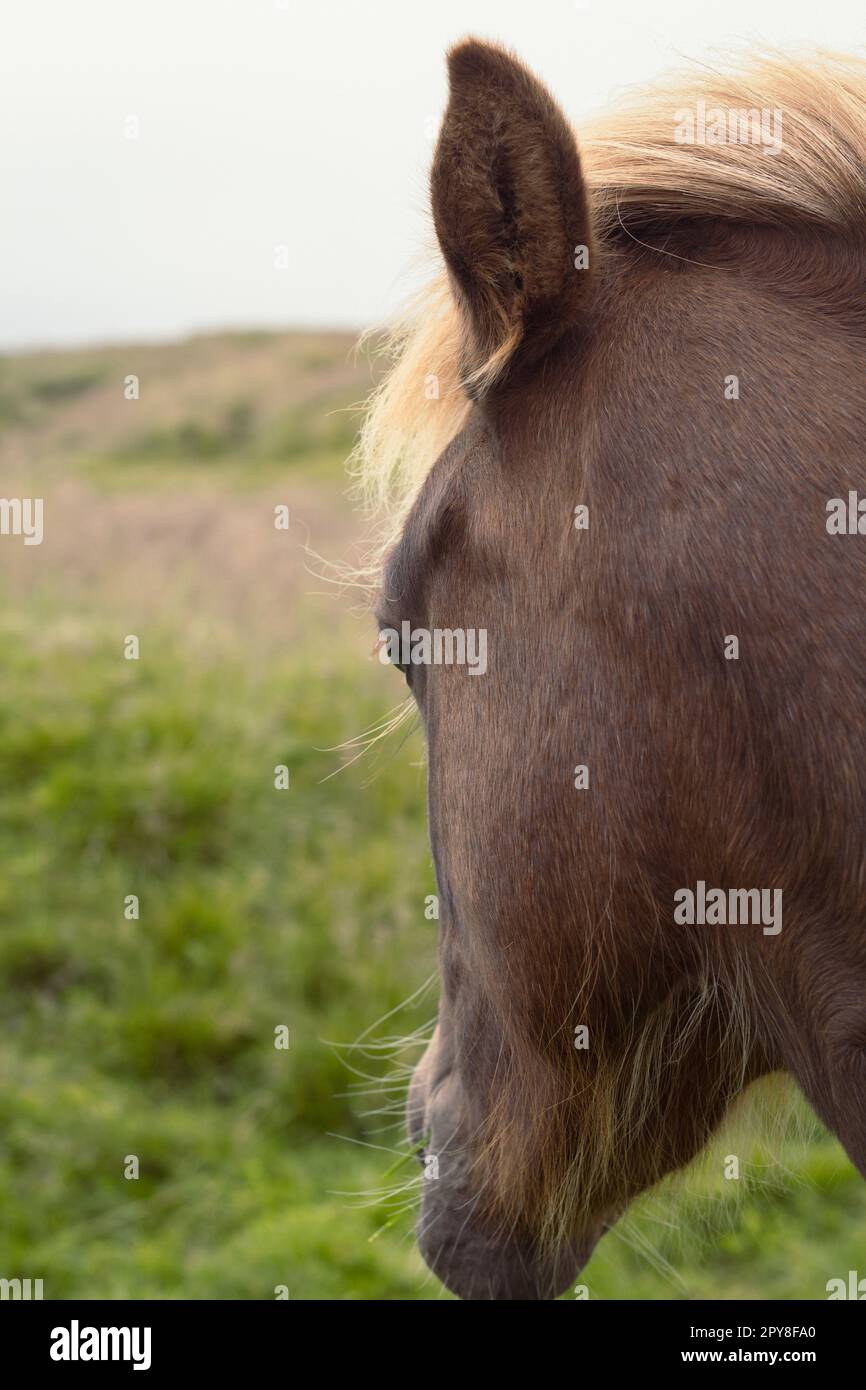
{"x": 614, "y": 437}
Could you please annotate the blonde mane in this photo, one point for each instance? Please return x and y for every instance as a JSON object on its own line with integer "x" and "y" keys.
{"x": 638, "y": 176}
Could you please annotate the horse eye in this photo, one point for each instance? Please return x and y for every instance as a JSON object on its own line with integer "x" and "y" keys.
{"x": 399, "y": 666}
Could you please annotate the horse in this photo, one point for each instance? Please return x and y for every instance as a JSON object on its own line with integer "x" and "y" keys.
{"x": 617, "y": 429}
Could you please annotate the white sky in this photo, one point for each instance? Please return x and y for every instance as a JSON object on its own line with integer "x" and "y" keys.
{"x": 301, "y": 123}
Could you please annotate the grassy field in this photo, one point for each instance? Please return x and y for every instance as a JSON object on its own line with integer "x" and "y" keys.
{"x": 259, "y": 907}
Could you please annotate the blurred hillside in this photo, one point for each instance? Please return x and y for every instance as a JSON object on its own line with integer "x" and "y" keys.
{"x": 171, "y": 487}
{"x": 259, "y": 907}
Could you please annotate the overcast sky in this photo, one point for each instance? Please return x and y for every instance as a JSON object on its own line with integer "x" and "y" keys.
{"x": 262, "y": 124}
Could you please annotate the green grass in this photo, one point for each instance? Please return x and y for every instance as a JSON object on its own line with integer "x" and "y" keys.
{"x": 258, "y": 908}
{"x": 67, "y": 385}
{"x": 193, "y": 439}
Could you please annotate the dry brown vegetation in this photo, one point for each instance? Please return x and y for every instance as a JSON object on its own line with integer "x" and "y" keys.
{"x": 170, "y": 498}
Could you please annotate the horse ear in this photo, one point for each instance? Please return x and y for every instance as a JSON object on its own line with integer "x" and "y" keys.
{"x": 510, "y": 210}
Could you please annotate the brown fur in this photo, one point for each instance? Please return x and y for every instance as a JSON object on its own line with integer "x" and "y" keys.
{"x": 508, "y": 201}
{"x": 605, "y": 648}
